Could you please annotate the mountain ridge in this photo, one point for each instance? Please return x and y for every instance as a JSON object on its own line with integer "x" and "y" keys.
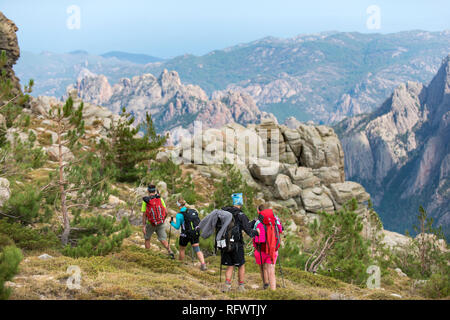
{"x": 401, "y": 151}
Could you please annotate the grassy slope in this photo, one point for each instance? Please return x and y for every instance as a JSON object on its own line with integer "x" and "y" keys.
{"x": 136, "y": 273}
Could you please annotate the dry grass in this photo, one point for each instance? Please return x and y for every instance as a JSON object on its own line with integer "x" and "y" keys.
{"x": 136, "y": 273}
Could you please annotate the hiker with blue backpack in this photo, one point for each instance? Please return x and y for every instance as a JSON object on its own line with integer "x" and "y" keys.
{"x": 267, "y": 243}
{"x": 188, "y": 220}
{"x": 154, "y": 214}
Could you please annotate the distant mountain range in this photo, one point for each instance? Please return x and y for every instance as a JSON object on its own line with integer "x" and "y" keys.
{"x": 322, "y": 77}
{"x": 174, "y": 106}
{"x": 401, "y": 152}
{"x": 131, "y": 57}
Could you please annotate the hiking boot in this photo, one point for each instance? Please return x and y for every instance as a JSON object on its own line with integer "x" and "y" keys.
{"x": 241, "y": 287}
{"x": 266, "y": 285}
{"x": 171, "y": 255}
{"x": 226, "y": 287}
{"x": 203, "y": 267}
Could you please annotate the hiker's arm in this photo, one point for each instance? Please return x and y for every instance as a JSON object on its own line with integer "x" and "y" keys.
{"x": 246, "y": 226}
{"x": 178, "y": 222}
{"x": 262, "y": 235}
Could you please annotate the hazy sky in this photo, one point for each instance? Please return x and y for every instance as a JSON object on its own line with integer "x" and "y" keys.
{"x": 173, "y": 27}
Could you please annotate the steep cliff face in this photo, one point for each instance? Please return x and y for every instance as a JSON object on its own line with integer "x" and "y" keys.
{"x": 8, "y": 42}
{"x": 401, "y": 151}
{"x": 174, "y": 106}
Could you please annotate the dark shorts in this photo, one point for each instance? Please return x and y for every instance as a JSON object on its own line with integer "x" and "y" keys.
{"x": 234, "y": 258}
{"x": 185, "y": 240}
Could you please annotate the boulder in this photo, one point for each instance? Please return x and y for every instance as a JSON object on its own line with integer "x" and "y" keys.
{"x": 5, "y": 192}
{"x": 284, "y": 189}
{"x": 45, "y": 257}
{"x": 161, "y": 186}
{"x": 265, "y": 171}
{"x": 162, "y": 157}
{"x": 115, "y": 201}
{"x": 303, "y": 177}
{"x": 135, "y": 220}
{"x": 345, "y": 191}
{"x": 328, "y": 175}
{"x": 53, "y": 153}
{"x": 394, "y": 239}
{"x": 315, "y": 200}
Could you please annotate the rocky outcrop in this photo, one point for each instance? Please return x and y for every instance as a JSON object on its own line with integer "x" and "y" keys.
{"x": 8, "y": 42}
{"x": 400, "y": 152}
{"x": 301, "y": 169}
{"x": 173, "y": 105}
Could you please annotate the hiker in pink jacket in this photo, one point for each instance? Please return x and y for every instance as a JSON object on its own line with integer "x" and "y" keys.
{"x": 266, "y": 244}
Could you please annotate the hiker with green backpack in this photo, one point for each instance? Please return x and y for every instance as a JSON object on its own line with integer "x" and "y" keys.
{"x": 154, "y": 214}
{"x": 267, "y": 243}
{"x": 188, "y": 220}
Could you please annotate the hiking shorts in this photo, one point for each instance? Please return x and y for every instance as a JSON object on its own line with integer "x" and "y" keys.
{"x": 184, "y": 240}
{"x": 234, "y": 258}
{"x": 265, "y": 258}
{"x": 160, "y": 231}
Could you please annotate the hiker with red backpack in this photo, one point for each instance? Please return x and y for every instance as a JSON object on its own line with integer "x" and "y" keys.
{"x": 154, "y": 214}
{"x": 267, "y": 243}
{"x": 188, "y": 220}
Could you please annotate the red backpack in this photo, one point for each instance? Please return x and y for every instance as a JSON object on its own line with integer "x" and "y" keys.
{"x": 273, "y": 240}
{"x": 155, "y": 211}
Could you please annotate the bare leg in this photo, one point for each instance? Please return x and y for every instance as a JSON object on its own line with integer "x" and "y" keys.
{"x": 266, "y": 273}
{"x": 229, "y": 272}
{"x": 242, "y": 273}
{"x": 166, "y": 245}
{"x": 147, "y": 244}
{"x": 272, "y": 278}
{"x": 199, "y": 254}
{"x": 182, "y": 253}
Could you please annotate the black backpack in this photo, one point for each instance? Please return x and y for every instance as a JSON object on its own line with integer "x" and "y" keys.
{"x": 231, "y": 236}
{"x": 191, "y": 221}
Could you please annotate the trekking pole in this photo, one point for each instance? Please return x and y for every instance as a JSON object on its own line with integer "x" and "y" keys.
{"x": 278, "y": 259}
{"x": 192, "y": 254}
{"x": 170, "y": 232}
{"x": 262, "y": 267}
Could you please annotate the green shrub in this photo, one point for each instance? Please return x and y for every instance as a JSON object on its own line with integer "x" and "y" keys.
{"x": 438, "y": 286}
{"x": 96, "y": 236}
{"x": 27, "y": 238}
{"x": 25, "y": 204}
{"x": 10, "y": 258}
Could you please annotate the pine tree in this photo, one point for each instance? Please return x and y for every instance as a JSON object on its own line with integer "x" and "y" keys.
{"x": 340, "y": 250}
{"x": 10, "y": 258}
{"x": 126, "y": 150}
{"x": 427, "y": 243}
